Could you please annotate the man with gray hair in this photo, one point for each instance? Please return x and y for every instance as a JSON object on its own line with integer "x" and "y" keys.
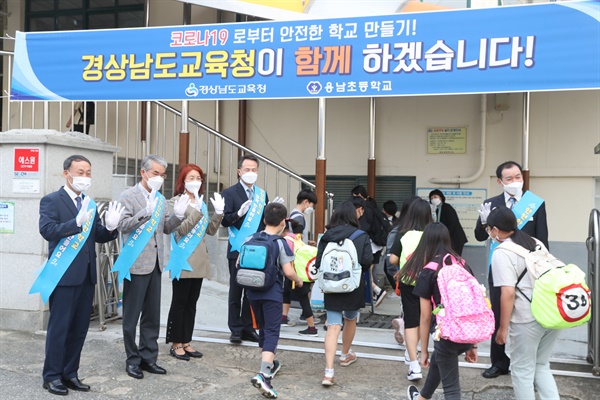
{"x": 140, "y": 264}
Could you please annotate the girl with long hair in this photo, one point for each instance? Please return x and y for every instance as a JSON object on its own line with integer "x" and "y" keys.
{"x": 417, "y": 217}
{"x": 434, "y": 246}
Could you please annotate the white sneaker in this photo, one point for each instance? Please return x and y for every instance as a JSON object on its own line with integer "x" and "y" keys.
{"x": 379, "y": 298}
{"x": 414, "y": 375}
{"x": 406, "y": 358}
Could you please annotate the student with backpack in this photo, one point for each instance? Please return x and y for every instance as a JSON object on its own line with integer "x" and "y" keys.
{"x": 438, "y": 267}
{"x": 305, "y": 205}
{"x": 528, "y": 344}
{"x": 267, "y": 252}
{"x": 344, "y": 254}
{"x": 302, "y": 293}
{"x": 418, "y": 216}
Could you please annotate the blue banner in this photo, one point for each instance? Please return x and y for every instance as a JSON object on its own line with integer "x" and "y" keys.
{"x": 137, "y": 241}
{"x": 553, "y": 46}
{"x": 180, "y": 252}
{"x": 524, "y": 210}
{"x": 64, "y": 253}
{"x": 251, "y": 221}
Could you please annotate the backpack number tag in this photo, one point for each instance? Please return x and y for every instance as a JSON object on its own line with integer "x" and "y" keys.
{"x": 573, "y": 302}
{"x": 311, "y": 271}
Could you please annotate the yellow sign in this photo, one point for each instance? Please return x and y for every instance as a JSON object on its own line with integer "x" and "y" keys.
{"x": 290, "y": 5}
{"x": 447, "y": 141}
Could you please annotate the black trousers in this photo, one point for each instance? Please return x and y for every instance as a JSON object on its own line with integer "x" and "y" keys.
{"x": 239, "y": 317}
{"x": 497, "y": 351}
{"x": 182, "y": 315}
{"x": 444, "y": 369}
{"x": 141, "y": 301}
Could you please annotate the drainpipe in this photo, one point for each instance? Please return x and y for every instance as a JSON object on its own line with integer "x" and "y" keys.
{"x": 320, "y": 171}
{"x": 525, "y": 166}
{"x": 184, "y": 134}
{"x": 371, "y": 163}
{"x": 483, "y": 122}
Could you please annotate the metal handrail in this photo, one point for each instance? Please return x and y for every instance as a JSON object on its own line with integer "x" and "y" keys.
{"x": 593, "y": 246}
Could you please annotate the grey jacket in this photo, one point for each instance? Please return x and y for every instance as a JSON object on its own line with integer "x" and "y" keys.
{"x": 199, "y": 260}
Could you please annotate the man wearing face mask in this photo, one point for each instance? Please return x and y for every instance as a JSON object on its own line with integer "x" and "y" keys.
{"x": 71, "y": 225}
{"x": 141, "y": 262}
{"x": 243, "y": 216}
{"x": 305, "y": 204}
{"x": 531, "y": 212}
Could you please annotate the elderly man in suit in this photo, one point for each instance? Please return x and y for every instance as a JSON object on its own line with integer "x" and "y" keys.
{"x": 145, "y": 220}
{"x": 510, "y": 178}
{"x": 243, "y": 215}
{"x": 72, "y": 227}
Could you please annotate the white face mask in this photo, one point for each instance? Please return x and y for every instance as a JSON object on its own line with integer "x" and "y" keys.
{"x": 193, "y": 186}
{"x": 155, "y": 183}
{"x": 514, "y": 188}
{"x": 308, "y": 210}
{"x": 250, "y": 177}
{"x": 436, "y": 201}
{"x": 81, "y": 183}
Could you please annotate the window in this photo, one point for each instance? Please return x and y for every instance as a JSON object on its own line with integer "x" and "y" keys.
{"x": 64, "y": 15}
{"x": 395, "y": 188}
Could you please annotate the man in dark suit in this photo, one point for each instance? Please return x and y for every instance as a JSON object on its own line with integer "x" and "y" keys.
{"x": 510, "y": 178}
{"x": 62, "y": 214}
{"x": 238, "y": 201}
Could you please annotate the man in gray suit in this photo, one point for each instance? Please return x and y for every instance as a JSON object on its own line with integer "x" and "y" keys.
{"x": 145, "y": 220}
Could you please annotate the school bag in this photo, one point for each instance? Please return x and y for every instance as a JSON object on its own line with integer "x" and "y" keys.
{"x": 463, "y": 316}
{"x": 257, "y": 268}
{"x": 340, "y": 271}
{"x": 380, "y": 227}
{"x": 561, "y": 298}
{"x": 304, "y": 259}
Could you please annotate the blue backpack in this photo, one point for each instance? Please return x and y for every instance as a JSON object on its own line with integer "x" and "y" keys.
{"x": 257, "y": 268}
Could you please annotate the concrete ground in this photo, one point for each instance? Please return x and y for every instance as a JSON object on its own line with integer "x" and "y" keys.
{"x": 225, "y": 370}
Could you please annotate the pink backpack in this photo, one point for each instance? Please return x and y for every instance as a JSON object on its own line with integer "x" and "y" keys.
{"x": 463, "y": 315}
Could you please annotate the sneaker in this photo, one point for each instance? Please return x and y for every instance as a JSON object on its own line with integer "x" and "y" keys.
{"x": 379, "y": 298}
{"x": 327, "y": 381}
{"x": 285, "y": 321}
{"x": 350, "y": 358}
{"x": 263, "y": 384}
{"x": 275, "y": 369}
{"x": 414, "y": 375}
{"x": 398, "y": 325}
{"x": 412, "y": 392}
{"x": 310, "y": 331}
{"x": 406, "y": 358}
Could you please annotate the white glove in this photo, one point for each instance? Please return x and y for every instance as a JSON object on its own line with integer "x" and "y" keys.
{"x": 484, "y": 211}
{"x": 151, "y": 203}
{"x": 218, "y": 203}
{"x": 244, "y": 208}
{"x": 199, "y": 200}
{"x": 113, "y": 215}
{"x": 181, "y": 205}
{"x": 84, "y": 214}
{"x": 278, "y": 200}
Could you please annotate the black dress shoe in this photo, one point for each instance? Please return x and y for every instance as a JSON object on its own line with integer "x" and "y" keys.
{"x": 56, "y": 387}
{"x": 493, "y": 372}
{"x": 134, "y": 371}
{"x": 250, "y": 336}
{"x": 235, "y": 338}
{"x": 76, "y": 384}
{"x": 194, "y": 354}
{"x": 152, "y": 368}
{"x": 184, "y": 356}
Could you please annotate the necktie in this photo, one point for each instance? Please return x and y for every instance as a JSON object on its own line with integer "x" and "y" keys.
{"x": 512, "y": 202}
{"x": 78, "y": 201}
{"x": 250, "y": 193}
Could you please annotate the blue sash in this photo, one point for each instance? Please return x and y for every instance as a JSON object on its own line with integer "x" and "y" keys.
{"x": 180, "y": 252}
{"x": 64, "y": 253}
{"x": 524, "y": 210}
{"x": 251, "y": 222}
{"x": 137, "y": 241}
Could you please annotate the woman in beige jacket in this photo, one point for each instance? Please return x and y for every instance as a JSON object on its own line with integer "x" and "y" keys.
{"x": 186, "y": 288}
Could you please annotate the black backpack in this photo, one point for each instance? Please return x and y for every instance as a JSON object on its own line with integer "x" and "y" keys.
{"x": 380, "y": 227}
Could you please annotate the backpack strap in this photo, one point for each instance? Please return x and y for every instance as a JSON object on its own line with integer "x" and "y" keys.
{"x": 522, "y": 252}
{"x": 519, "y": 280}
{"x": 356, "y": 234}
